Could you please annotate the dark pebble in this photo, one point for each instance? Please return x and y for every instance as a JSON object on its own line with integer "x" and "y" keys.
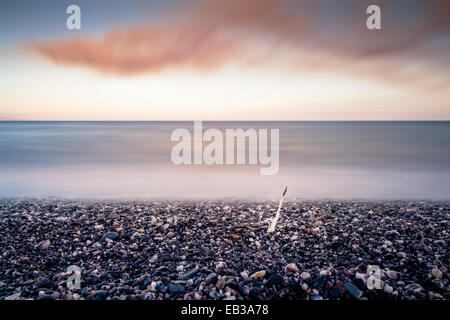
{"x": 110, "y": 235}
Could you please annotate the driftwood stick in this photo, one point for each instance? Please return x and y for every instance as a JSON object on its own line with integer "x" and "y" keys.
{"x": 277, "y": 216}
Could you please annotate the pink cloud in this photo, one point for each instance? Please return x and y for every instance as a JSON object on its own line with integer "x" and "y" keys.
{"x": 210, "y": 34}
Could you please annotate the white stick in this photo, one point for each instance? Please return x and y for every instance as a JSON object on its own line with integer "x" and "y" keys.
{"x": 277, "y": 216}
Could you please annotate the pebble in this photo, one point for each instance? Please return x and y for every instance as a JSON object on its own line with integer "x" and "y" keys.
{"x": 43, "y": 283}
{"x": 176, "y": 288}
{"x": 291, "y": 267}
{"x": 189, "y": 274}
{"x": 110, "y": 235}
{"x": 360, "y": 276}
{"x": 275, "y": 279}
{"x": 221, "y": 266}
{"x": 14, "y": 296}
{"x": 359, "y": 283}
{"x": 335, "y": 292}
{"x": 325, "y": 273}
{"x": 320, "y": 282}
{"x": 244, "y": 275}
{"x": 259, "y": 274}
{"x": 305, "y": 275}
{"x": 211, "y": 278}
{"x": 170, "y": 234}
{"x": 436, "y": 273}
{"x": 220, "y": 284}
{"x": 391, "y": 274}
{"x": 193, "y": 295}
{"x": 43, "y": 245}
{"x": 353, "y": 290}
{"x": 388, "y": 289}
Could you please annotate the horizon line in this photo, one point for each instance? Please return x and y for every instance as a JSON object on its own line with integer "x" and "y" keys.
{"x": 231, "y": 120}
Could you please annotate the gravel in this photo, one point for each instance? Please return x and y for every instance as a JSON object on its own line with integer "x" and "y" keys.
{"x": 196, "y": 250}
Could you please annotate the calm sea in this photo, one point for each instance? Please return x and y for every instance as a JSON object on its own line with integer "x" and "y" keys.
{"x": 344, "y": 160}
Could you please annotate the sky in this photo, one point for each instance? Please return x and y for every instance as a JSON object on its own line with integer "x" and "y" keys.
{"x": 224, "y": 60}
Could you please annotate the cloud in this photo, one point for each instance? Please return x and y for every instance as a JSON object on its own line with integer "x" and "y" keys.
{"x": 142, "y": 50}
{"x": 308, "y": 36}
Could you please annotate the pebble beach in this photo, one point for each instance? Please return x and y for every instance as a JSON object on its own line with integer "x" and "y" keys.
{"x": 221, "y": 250}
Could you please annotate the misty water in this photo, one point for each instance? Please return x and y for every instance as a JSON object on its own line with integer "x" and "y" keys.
{"x": 338, "y": 160}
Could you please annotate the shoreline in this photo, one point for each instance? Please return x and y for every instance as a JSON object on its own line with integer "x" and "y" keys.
{"x": 220, "y": 250}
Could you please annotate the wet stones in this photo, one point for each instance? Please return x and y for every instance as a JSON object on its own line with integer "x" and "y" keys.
{"x": 197, "y": 250}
